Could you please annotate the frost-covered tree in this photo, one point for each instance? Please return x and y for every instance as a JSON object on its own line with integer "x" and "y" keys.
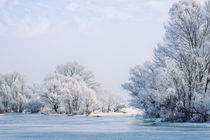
{"x": 109, "y": 101}
{"x": 13, "y": 92}
{"x": 89, "y": 100}
{"x": 187, "y": 46}
{"x": 52, "y": 91}
{"x": 71, "y": 89}
{"x": 34, "y": 104}
{"x": 77, "y": 71}
{"x": 176, "y": 84}
{"x": 72, "y": 96}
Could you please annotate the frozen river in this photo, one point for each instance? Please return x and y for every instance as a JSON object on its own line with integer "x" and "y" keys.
{"x": 119, "y": 127}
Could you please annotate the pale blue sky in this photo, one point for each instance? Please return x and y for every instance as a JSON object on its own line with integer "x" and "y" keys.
{"x": 106, "y": 36}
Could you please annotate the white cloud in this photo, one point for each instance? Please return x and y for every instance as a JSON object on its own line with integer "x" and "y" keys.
{"x": 163, "y": 5}
{"x": 92, "y": 12}
{"x": 25, "y": 27}
{"x": 86, "y": 14}
{"x": 15, "y": 2}
{"x": 40, "y": 27}
{"x": 159, "y": 6}
{"x": 114, "y": 13}
{"x": 2, "y": 3}
{"x": 42, "y": 5}
{"x": 73, "y": 6}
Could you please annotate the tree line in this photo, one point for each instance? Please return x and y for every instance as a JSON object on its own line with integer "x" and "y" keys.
{"x": 71, "y": 89}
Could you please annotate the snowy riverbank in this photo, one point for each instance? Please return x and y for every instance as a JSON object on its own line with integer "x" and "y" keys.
{"x": 124, "y": 111}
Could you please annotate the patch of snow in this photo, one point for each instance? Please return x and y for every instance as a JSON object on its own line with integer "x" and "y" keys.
{"x": 124, "y": 111}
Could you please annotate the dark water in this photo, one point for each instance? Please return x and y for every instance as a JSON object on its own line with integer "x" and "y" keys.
{"x": 120, "y": 127}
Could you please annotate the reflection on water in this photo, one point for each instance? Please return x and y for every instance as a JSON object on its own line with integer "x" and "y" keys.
{"x": 120, "y": 127}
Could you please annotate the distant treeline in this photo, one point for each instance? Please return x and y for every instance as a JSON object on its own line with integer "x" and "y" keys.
{"x": 70, "y": 90}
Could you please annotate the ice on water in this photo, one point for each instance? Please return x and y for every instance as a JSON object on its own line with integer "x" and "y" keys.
{"x": 14, "y": 126}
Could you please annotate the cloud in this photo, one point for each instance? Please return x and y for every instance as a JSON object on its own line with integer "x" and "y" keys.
{"x": 2, "y": 3}
{"x": 15, "y": 2}
{"x": 42, "y": 5}
{"x": 114, "y": 13}
{"x": 164, "y": 5}
{"x": 92, "y": 12}
{"x": 159, "y": 6}
{"x": 40, "y": 27}
{"x": 24, "y": 27}
{"x": 38, "y": 18}
{"x": 73, "y": 6}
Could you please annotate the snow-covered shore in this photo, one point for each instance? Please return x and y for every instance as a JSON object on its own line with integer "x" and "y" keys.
{"x": 125, "y": 111}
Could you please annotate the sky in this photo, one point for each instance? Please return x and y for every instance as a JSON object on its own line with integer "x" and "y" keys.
{"x": 108, "y": 37}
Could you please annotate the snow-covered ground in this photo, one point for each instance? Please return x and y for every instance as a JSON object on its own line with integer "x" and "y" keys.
{"x": 15, "y": 126}
{"x": 124, "y": 111}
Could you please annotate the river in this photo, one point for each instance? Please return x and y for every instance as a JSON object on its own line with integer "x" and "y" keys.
{"x": 14, "y": 126}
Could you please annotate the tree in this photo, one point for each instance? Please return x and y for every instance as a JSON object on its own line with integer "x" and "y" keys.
{"x": 34, "y": 104}
{"x": 89, "y": 100}
{"x": 170, "y": 86}
{"x": 109, "y": 101}
{"x": 13, "y": 91}
{"x": 74, "y": 69}
{"x": 71, "y": 90}
{"x": 186, "y": 44}
{"x": 52, "y": 91}
{"x": 72, "y": 96}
